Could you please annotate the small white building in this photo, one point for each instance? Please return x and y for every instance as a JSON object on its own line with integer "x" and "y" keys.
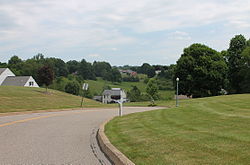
{"x": 111, "y": 96}
{"x": 8, "y": 78}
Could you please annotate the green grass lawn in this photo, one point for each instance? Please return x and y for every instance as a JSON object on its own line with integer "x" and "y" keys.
{"x": 214, "y": 130}
{"x": 17, "y": 99}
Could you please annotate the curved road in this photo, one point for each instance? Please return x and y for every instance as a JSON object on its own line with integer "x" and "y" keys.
{"x": 65, "y": 137}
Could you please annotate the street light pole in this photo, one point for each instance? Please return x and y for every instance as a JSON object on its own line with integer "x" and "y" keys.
{"x": 177, "y": 91}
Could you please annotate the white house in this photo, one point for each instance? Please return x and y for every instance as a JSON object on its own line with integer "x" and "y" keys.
{"x": 8, "y": 78}
{"x": 109, "y": 96}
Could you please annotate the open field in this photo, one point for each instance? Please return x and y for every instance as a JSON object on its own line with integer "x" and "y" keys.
{"x": 17, "y": 99}
{"x": 214, "y": 130}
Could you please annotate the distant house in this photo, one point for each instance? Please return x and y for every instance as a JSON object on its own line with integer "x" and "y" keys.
{"x": 111, "y": 96}
{"x": 157, "y": 72}
{"x": 128, "y": 71}
{"x": 8, "y": 78}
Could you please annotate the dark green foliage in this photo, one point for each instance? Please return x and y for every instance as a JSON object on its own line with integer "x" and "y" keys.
{"x": 147, "y": 69}
{"x": 245, "y": 71}
{"x": 3, "y": 65}
{"x": 104, "y": 70}
{"x": 86, "y": 71}
{"x": 45, "y": 76}
{"x": 134, "y": 94}
{"x": 237, "y": 45}
{"x": 72, "y": 87}
{"x": 164, "y": 84}
{"x": 72, "y": 66}
{"x": 59, "y": 83}
{"x": 167, "y": 72}
{"x": 130, "y": 79}
{"x": 114, "y": 75}
{"x": 202, "y": 71}
{"x": 101, "y": 68}
{"x": 14, "y": 60}
{"x": 15, "y": 64}
{"x": 58, "y": 65}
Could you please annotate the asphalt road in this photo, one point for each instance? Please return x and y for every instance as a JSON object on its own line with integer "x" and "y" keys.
{"x": 66, "y": 137}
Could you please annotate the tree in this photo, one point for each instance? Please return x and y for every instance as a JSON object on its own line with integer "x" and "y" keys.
{"x": 59, "y": 66}
{"x": 3, "y": 65}
{"x": 167, "y": 72}
{"x": 152, "y": 89}
{"x": 45, "y": 76}
{"x": 73, "y": 87}
{"x": 245, "y": 71}
{"x": 14, "y": 60}
{"x": 85, "y": 70}
{"x": 134, "y": 94}
{"x": 101, "y": 68}
{"x": 116, "y": 75}
{"x": 72, "y": 66}
{"x": 202, "y": 71}
{"x": 237, "y": 45}
{"x": 147, "y": 69}
{"x": 15, "y": 64}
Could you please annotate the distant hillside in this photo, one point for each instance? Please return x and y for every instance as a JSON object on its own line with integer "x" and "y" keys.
{"x": 17, "y": 99}
{"x": 96, "y": 87}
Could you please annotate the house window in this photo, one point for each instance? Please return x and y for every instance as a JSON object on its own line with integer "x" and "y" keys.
{"x": 31, "y": 83}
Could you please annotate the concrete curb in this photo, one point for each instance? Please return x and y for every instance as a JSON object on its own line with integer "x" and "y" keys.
{"x": 112, "y": 153}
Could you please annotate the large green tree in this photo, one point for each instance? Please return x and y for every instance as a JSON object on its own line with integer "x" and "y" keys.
{"x": 202, "y": 71}
{"x": 234, "y": 56}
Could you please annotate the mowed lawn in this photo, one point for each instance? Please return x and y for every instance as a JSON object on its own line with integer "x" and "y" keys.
{"x": 213, "y": 130}
{"x": 16, "y": 99}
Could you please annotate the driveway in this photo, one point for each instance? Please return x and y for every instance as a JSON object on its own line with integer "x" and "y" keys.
{"x": 65, "y": 137}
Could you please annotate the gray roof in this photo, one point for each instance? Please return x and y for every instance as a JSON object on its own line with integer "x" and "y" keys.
{"x": 112, "y": 92}
{"x": 2, "y": 70}
{"x": 15, "y": 81}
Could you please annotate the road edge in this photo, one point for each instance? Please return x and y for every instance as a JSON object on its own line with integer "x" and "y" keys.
{"x": 109, "y": 150}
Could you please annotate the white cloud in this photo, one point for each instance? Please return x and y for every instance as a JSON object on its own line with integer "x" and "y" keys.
{"x": 56, "y": 25}
{"x": 179, "y": 35}
{"x": 94, "y": 55}
{"x": 114, "y": 49}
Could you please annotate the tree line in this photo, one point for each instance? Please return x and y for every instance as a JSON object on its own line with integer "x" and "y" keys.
{"x": 205, "y": 72}
{"x": 69, "y": 76}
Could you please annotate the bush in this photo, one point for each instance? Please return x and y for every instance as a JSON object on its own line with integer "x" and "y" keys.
{"x": 134, "y": 94}
{"x": 131, "y": 79}
{"x": 73, "y": 87}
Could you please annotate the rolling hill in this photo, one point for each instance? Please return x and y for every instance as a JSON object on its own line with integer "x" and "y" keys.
{"x": 17, "y": 99}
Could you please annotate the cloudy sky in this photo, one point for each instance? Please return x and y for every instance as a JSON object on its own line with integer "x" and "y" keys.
{"x": 118, "y": 31}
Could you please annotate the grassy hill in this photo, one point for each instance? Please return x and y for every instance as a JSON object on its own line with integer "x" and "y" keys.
{"x": 96, "y": 87}
{"x": 214, "y": 130}
{"x": 16, "y": 99}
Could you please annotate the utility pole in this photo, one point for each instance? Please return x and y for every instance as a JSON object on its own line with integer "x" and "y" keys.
{"x": 177, "y": 91}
